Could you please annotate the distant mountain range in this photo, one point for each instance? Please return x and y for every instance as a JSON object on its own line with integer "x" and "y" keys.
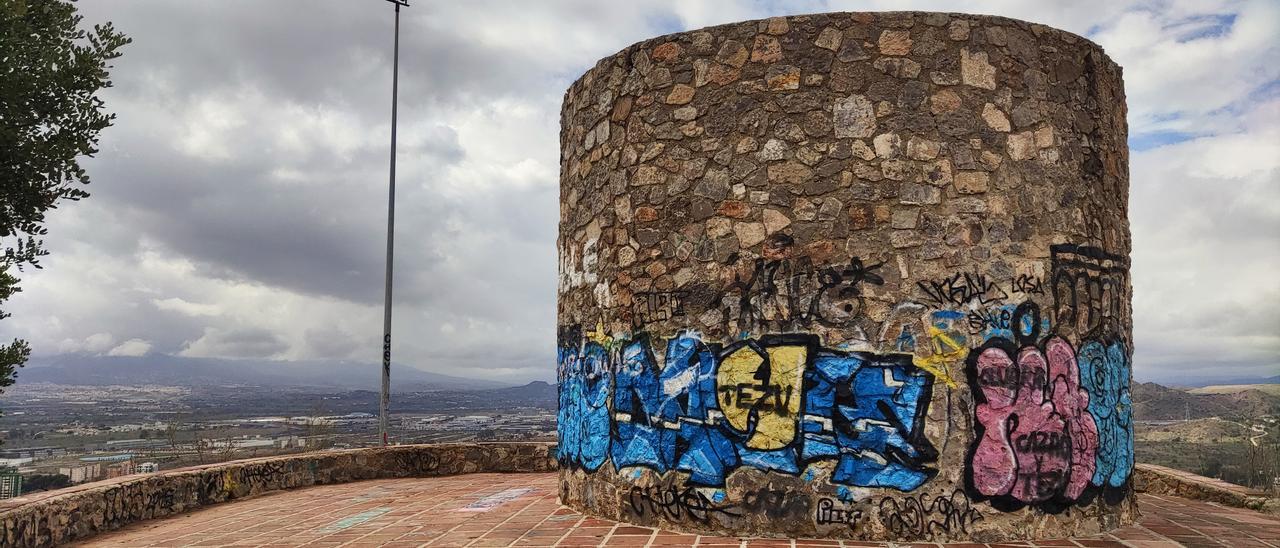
{"x": 1152, "y": 401}
{"x": 536, "y": 391}
{"x": 85, "y": 369}
{"x": 1183, "y": 381}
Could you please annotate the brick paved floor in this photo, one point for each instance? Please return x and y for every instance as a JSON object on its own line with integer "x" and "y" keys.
{"x": 521, "y": 510}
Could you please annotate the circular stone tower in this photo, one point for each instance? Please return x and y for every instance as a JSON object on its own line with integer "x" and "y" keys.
{"x": 854, "y": 275}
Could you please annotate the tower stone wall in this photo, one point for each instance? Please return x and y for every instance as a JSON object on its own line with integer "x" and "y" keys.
{"x": 848, "y": 275}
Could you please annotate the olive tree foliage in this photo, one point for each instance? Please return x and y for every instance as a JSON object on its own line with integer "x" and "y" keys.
{"x": 51, "y": 70}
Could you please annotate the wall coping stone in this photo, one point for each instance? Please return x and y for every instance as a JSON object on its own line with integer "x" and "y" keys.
{"x": 1162, "y": 480}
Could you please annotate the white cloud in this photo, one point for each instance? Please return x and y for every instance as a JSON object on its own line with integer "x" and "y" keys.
{"x": 177, "y": 304}
{"x": 131, "y": 347}
{"x": 1206, "y": 218}
{"x": 96, "y": 343}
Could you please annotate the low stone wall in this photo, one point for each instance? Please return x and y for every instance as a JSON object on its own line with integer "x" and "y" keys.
{"x": 48, "y": 519}
{"x": 1160, "y": 480}
{"x": 52, "y": 518}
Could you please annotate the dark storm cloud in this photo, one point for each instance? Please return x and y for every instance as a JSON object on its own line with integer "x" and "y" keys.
{"x": 318, "y": 236}
{"x": 238, "y": 205}
{"x": 239, "y": 343}
{"x": 314, "y": 51}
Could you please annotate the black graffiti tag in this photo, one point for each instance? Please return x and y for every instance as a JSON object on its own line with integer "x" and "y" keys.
{"x": 921, "y": 518}
{"x": 655, "y": 306}
{"x": 1027, "y": 284}
{"x": 961, "y": 289}
{"x": 995, "y": 318}
{"x": 1090, "y": 291}
{"x": 829, "y": 513}
{"x": 786, "y": 290}
{"x": 675, "y": 504}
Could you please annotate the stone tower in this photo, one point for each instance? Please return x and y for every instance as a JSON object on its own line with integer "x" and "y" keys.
{"x": 849, "y": 275}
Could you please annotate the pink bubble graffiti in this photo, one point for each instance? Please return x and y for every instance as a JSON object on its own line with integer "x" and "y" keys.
{"x": 1039, "y": 439}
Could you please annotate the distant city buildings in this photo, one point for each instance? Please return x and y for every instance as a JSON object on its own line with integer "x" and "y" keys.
{"x": 142, "y": 431}
{"x": 120, "y": 469}
{"x": 81, "y": 473}
{"x": 117, "y": 445}
{"x": 10, "y": 485}
{"x": 42, "y": 452}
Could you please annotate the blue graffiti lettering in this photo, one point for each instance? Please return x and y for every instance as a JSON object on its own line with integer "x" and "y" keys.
{"x": 781, "y": 403}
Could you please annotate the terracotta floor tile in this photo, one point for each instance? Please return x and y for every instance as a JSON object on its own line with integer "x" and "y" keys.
{"x": 424, "y": 511}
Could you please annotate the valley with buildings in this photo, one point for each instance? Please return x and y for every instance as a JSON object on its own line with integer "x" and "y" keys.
{"x": 57, "y": 435}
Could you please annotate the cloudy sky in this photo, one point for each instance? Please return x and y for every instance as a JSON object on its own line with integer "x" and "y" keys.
{"x": 238, "y": 204}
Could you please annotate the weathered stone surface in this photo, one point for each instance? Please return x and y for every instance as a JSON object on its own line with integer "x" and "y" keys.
{"x": 1044, "y": 137}
{"x": 749, "y": 234}
{"x": 1022, "y": 145}
{"x": 919, "y": 148}
{"x": 972, "y": 182}
{"x": 733, "y": 53}
{"x": 766, "y": 49}
{"x": 861, "y": 151}
{"x": 829, "y": 39}
{"x": 774, "y": 221}
{"x": 1160, "y": 480}
{"x": 777, "y": 25}
{"x": 646, "y": 214}
{"x": 735, "y": 209}
{"x": 719, "y": 227}
{"x": 789, "y": 173}
{"x": 666, "y": 52}
{"x": 938, "y": 173}
{"x": 895, "y": 42}
{"x": 648, "y": 175}
{"x": 944, "y": 101}
{"x": 905, "y": 238}
{"x": 887, "y": 145}
{"x": 680, "y": 94}
{"x": 782, "y": 77}
{"x": 773, "y": 149}
{"x": 904, "y": 217}
{"x": 852, "y": 182}
{"x": 897, "y": 67}
{"x": 975, "y": 70}
{"x": 854, "y": 116}
{"x": 851, "y": 50}
{"x": 994, "y": 118}
{"x": 897, "y": 170}
{"x": 916, "y": 194}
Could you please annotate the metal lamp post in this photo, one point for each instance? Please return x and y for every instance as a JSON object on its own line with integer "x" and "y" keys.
{"x": 384, "y": 401}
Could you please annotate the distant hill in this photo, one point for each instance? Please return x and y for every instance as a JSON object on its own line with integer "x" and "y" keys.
{"x": 1233, "y": 388}
{"x": 1195, "y": 431}
{"x": 159, "y": 369}
{"x": 536, "y": 391}
{"x": 1152, "y": 401}
{"x": 537, "y": 394}
{"x": 1183, "y": 381}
